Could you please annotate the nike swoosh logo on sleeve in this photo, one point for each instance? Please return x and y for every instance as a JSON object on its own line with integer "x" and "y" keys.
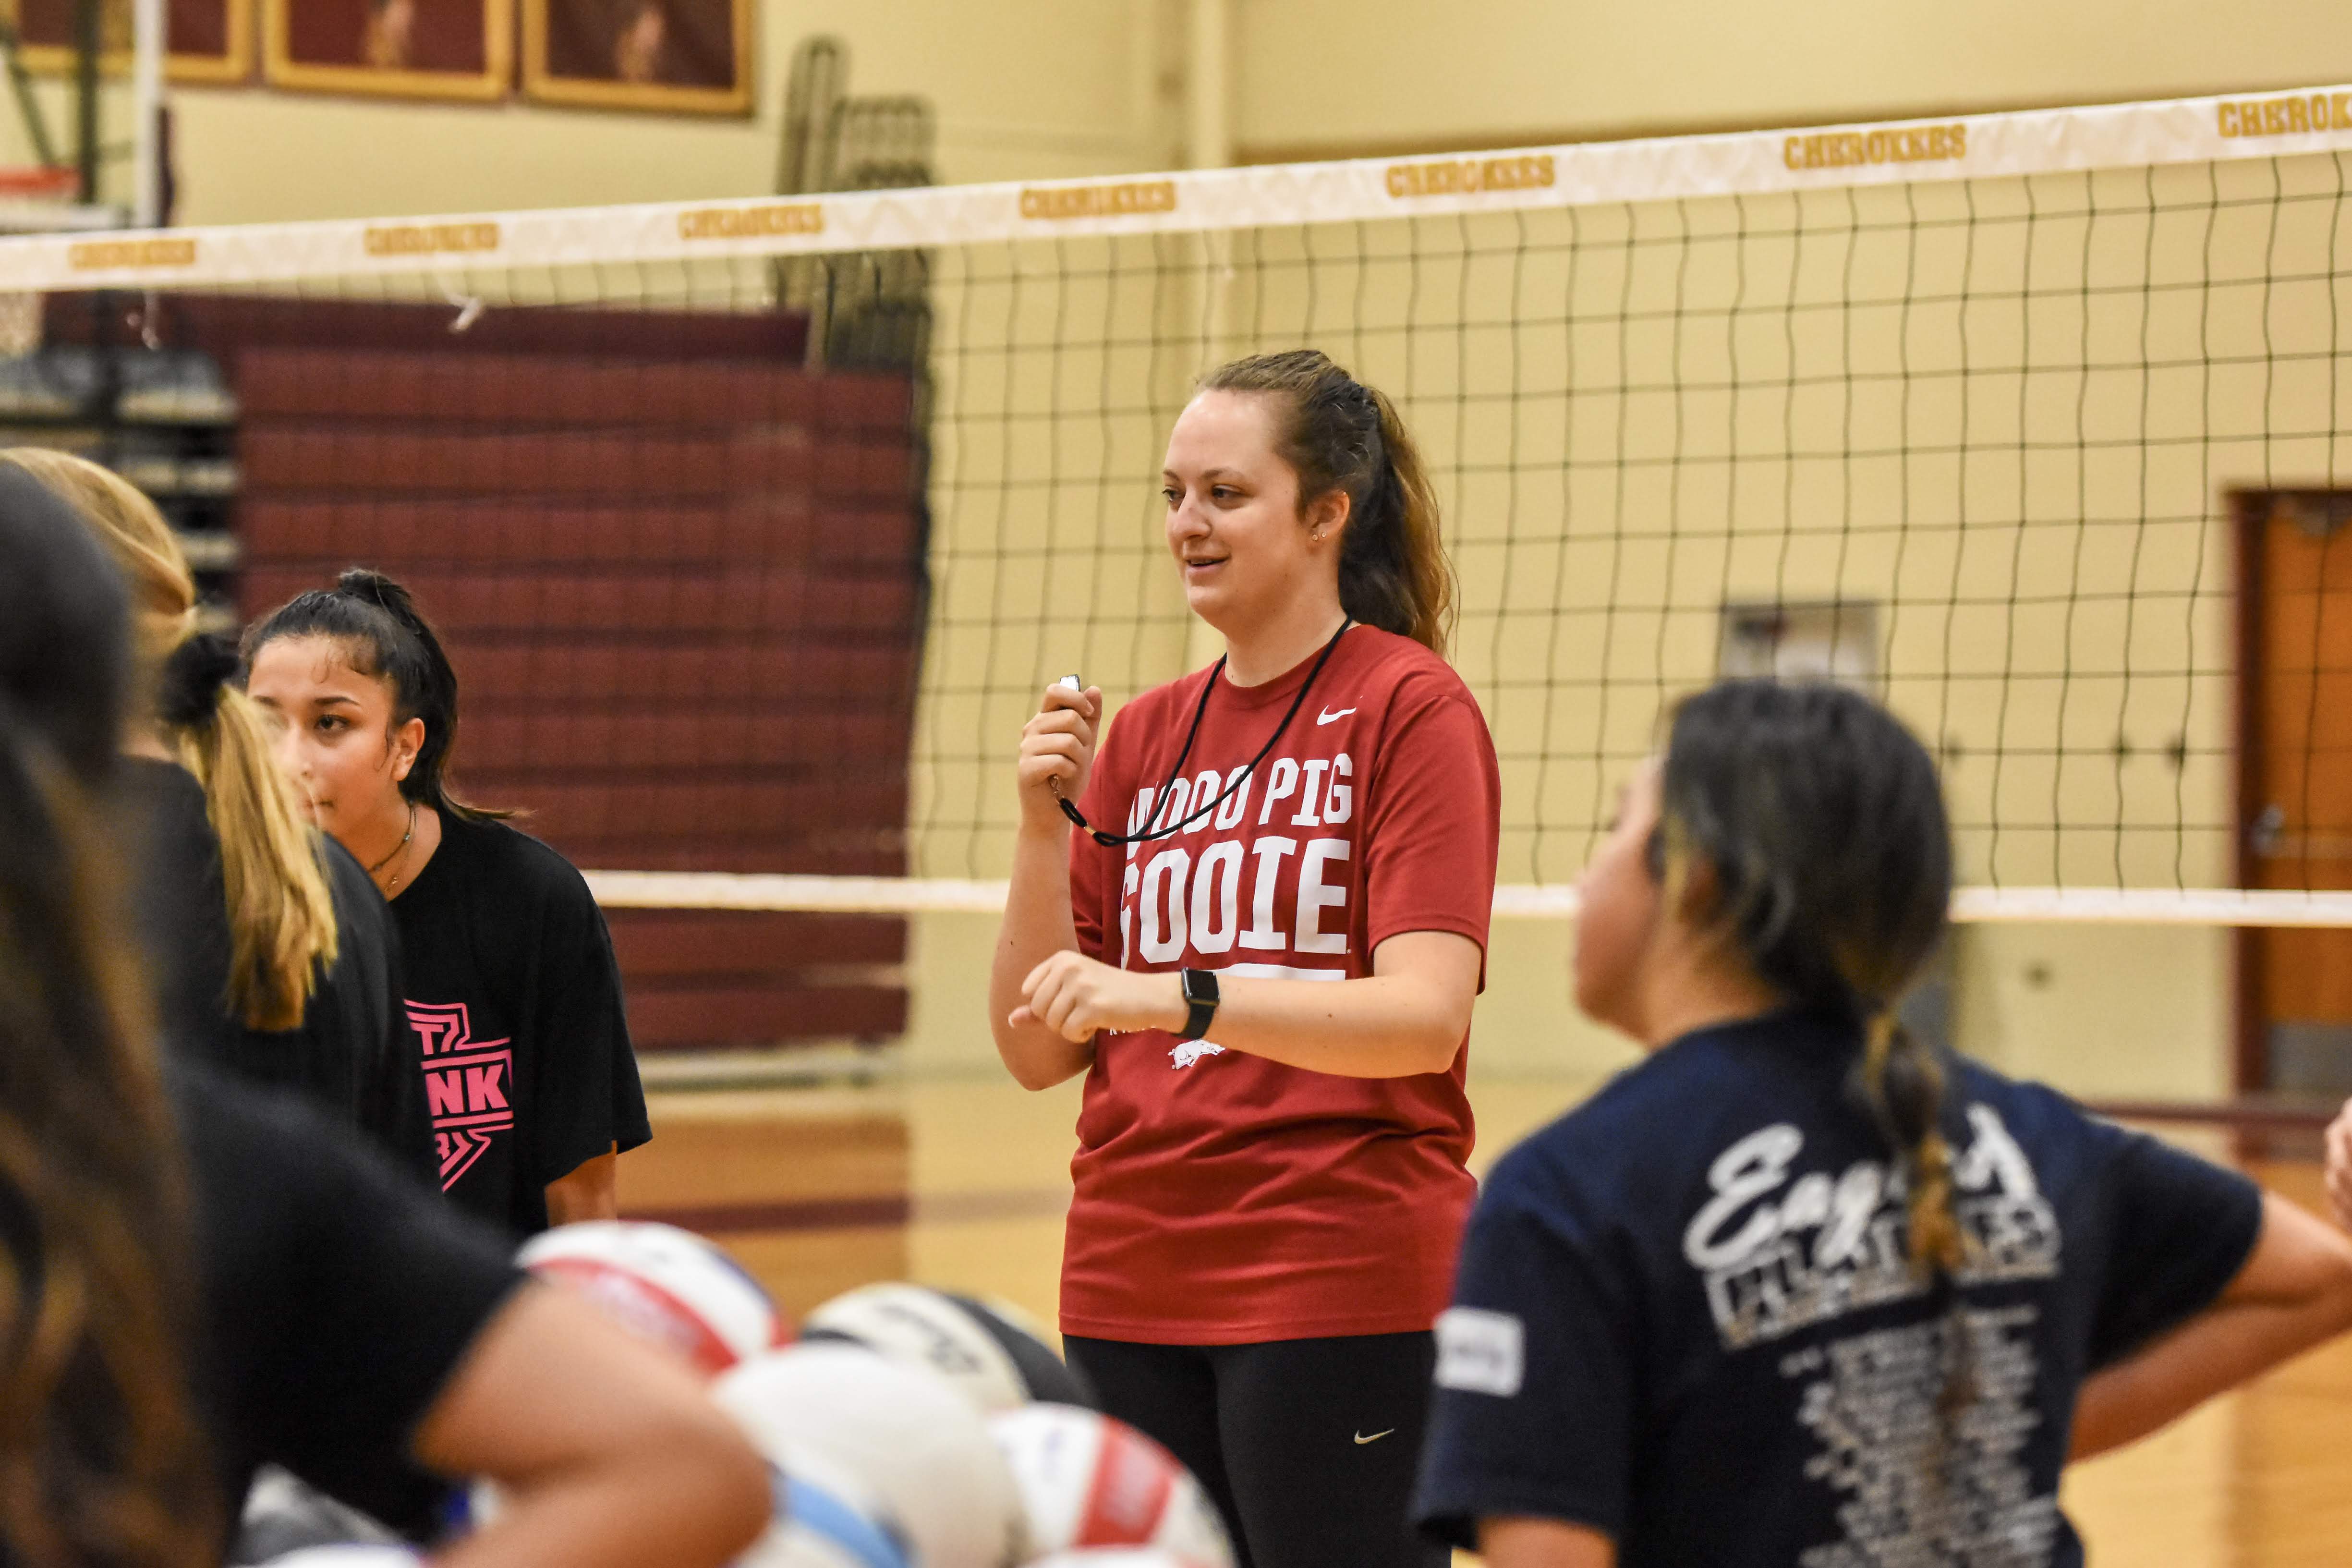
{"x": 1362, "y": 1439}
{"x": 1326, "y": 716}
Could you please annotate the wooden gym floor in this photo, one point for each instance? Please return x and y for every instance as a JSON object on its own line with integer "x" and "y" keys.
{"x": 962, "y": 1182}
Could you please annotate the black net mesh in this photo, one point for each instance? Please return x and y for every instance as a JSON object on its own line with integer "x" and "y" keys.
{"x": 759, "y": 567}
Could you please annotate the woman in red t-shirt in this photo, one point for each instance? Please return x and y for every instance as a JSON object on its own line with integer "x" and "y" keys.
{"x": 1267, "y": 973}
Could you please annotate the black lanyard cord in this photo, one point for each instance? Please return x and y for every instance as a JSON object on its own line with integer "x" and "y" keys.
{"x": 1200, "y": 712}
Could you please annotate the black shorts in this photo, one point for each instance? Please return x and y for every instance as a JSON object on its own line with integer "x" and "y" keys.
{"x": 1308, "y": 1446}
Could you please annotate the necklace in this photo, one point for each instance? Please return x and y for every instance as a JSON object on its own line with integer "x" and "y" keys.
{"x": 396, "y": 849}
{"x": 1112, "y": 840}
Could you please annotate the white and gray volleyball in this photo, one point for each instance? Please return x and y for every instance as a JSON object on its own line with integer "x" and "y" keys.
{"x": 826, "y": 1519}
{"x": 350, "y": 1554}
{"x": 1118, "y": 1557}
{"x": 663, "y": 1284}
{"x": 910, "y": 1441}
{"x": 1087, "y": 1480}
{"x": 988, "y": 1349}
{"x": 284, "y": 1514}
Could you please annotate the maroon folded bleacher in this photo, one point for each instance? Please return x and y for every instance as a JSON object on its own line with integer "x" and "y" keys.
{"x": 682, "y": 580}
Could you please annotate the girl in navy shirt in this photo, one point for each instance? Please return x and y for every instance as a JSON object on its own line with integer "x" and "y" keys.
{"x": 1799, "y": 1289}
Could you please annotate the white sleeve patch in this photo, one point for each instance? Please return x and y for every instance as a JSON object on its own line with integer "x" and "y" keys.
{"x": 1479, "y": 1351}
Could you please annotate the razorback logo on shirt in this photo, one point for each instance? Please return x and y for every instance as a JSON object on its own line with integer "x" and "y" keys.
{"x": 1380, "y": 822}
{"x": 1263, "y": 873}
{"x": 469, "y": 1085}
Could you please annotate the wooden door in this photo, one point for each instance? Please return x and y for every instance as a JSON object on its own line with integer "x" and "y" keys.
{"x": 2295, "y": 1018}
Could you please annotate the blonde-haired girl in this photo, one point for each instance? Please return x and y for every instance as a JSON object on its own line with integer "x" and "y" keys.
{"x": 273, "y": 955}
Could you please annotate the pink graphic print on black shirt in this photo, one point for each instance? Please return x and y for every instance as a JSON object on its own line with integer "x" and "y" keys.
{"x": 467, "y": 1082}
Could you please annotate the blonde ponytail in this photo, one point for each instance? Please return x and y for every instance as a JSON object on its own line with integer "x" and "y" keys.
{"x": 281, "y": 914}
{"x": 1905, "y": 1086}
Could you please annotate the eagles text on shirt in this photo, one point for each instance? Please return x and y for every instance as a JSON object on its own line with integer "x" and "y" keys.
{"x": 1781, "y": 1252}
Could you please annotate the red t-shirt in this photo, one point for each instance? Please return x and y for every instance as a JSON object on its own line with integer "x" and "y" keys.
{"x": 1222, "y": 1199}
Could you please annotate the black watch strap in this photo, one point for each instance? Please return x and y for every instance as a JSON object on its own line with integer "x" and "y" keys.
{"x": 1200, "y": 996}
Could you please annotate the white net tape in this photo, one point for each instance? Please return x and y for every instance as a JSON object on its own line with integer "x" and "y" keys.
{"x": 1967, "y": 147}
{"x": 1974, "y": 906}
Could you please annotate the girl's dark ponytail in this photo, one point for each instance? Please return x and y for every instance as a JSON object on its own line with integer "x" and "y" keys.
{"x": 377, "y": 621}
{"x": 1822, "y": 822}
{"x": 1904, "y": 1084}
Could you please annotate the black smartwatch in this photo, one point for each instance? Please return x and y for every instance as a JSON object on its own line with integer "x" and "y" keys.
{"x": 1200, "y": 996}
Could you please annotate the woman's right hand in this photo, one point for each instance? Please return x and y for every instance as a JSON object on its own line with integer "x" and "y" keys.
{"x": 1057, "y": 752}
{"x": 2339, "y": 1165}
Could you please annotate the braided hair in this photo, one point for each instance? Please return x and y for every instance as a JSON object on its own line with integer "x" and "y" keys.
{"x": 1823, "y": 821}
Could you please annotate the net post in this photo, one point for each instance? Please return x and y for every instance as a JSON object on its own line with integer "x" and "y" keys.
{"x": 148, "y": 44}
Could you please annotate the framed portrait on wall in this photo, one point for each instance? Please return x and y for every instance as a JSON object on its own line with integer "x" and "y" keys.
{"x": 401, "y": 48}
{"x": 207, "y": 40}
{"x": 679, "y": 57}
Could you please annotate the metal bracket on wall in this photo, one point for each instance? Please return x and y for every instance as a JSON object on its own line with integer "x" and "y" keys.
{"x": 2318, "y": 513}
{"x": 28, "y": 108}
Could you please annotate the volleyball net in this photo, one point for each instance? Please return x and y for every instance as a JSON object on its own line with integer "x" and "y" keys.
{"x": 757, "y": 527}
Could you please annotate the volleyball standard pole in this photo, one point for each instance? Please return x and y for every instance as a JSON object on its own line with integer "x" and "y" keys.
{"x": 147, "y": 48}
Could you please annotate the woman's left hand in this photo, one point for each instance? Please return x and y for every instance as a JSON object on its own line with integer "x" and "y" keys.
{"x": 1077, "y": 998}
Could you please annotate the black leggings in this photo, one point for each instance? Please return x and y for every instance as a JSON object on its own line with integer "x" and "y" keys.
{"x": 1308, "y": 1446}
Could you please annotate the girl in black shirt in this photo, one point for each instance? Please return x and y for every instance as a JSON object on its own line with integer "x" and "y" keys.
{"x": 276, "y": 959}
{"x": 202, "y": 1278}
{"x": 513, "y": 996}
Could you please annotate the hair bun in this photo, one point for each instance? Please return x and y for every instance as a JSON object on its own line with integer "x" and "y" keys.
{"x": 366, "y": 583}
{"x": 371, "y": 586}
{"x": 193, "y": 678}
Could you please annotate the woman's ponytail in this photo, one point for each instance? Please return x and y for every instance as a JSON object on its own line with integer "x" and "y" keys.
{"x": 1904, "y": 1084}
{"x": 1394, "y": 571}
{"x": 282, "y": 913}
{"x": 1336, "y": 434}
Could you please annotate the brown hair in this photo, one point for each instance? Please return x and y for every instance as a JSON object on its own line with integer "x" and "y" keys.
{"x": 281, "y": 914}
{"x": 102, "y": 1453}
{"x": 386, "y": 638}
{"x": 1336, "y": 434}
{"x": 1823, "y": 821}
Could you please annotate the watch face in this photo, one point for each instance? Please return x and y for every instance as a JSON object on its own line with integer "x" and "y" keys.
{"x": 1200, "y": 985}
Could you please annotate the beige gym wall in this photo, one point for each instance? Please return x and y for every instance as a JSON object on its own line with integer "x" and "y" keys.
{"x": 1075, "y": 87}
{"x": 1317, "y": 76}
{"x": 1051, "y": 87}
